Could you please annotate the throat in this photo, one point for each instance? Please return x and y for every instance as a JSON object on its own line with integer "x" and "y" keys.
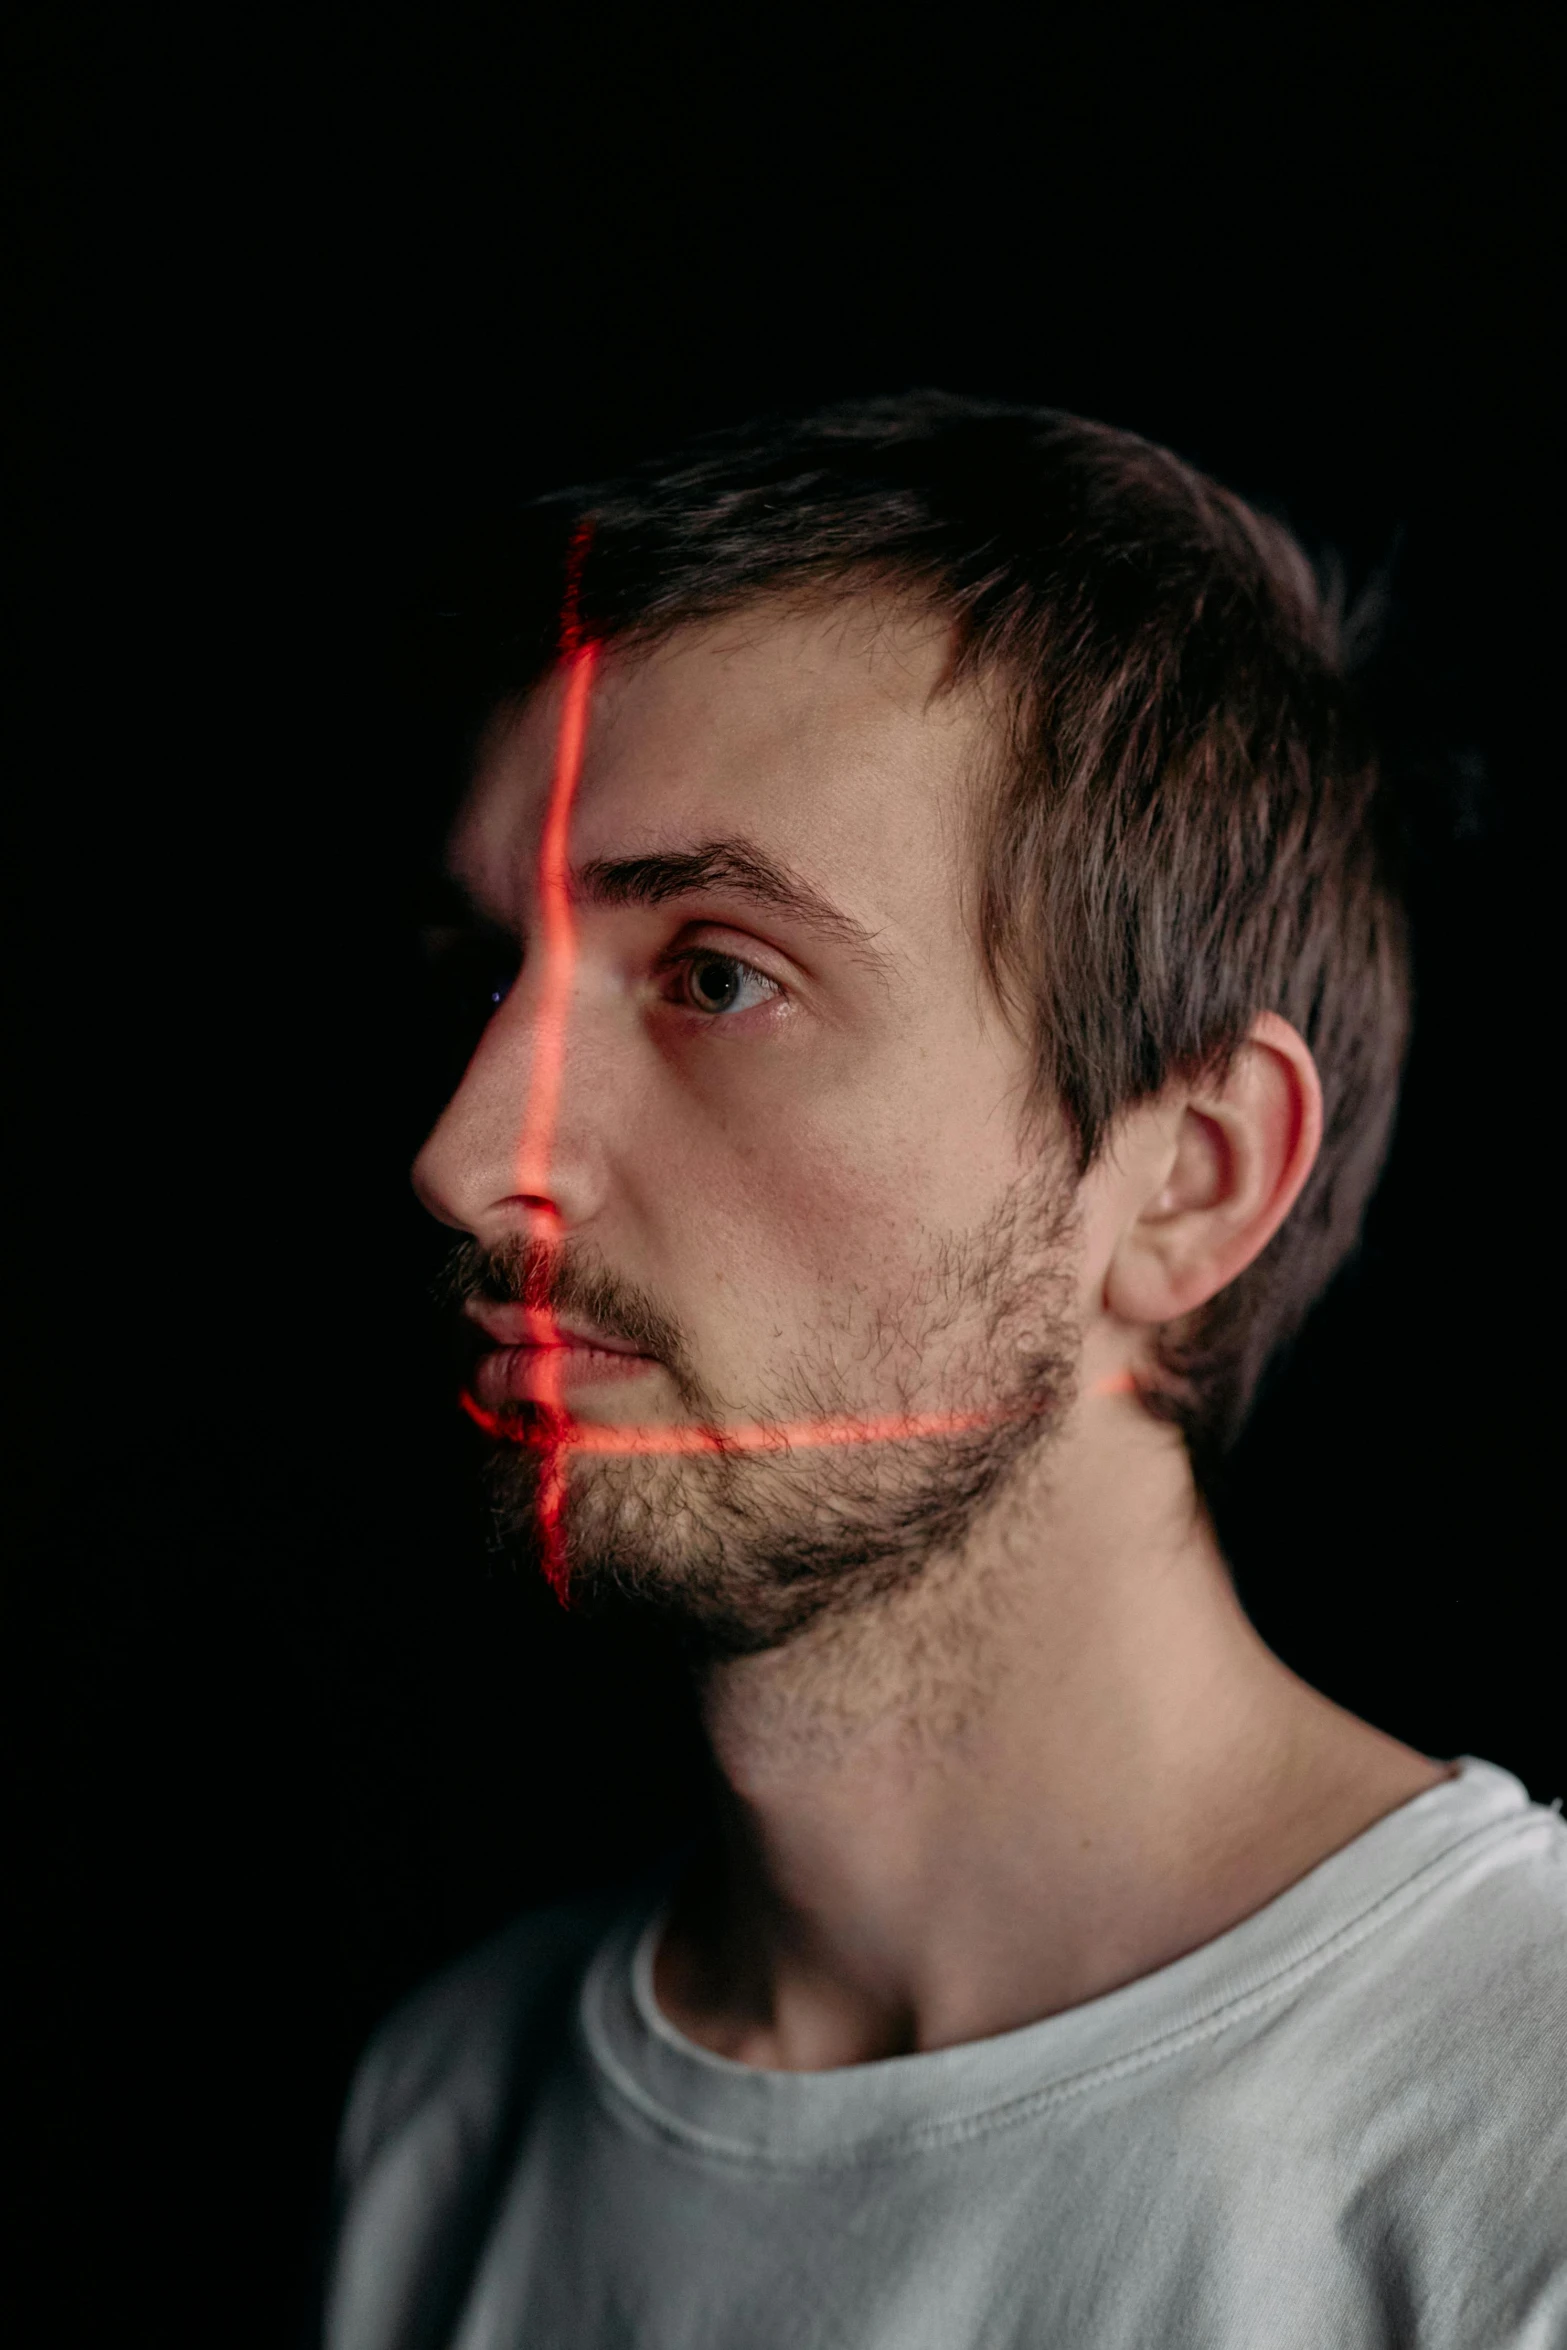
{"x": 992, "y": 1799}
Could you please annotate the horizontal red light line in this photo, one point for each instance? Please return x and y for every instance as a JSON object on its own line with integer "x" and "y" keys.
{"x": 559, "y": 1434}
{"x": 771, "y": 1436}
{"x": 753, "y": 1436}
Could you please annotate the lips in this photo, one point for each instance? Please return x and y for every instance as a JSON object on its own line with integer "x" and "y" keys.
{"x": 537, "y": 1358}
{"x": 512, "y": 1325}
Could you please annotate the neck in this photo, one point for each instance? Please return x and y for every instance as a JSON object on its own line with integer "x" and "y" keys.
{"x": 1051, "y": 1765}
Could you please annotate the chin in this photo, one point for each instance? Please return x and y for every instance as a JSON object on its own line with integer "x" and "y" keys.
{"x": 742, "y": 1552}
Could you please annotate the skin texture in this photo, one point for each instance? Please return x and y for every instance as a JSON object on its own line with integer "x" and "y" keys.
{"x": 1058, "y": 1757}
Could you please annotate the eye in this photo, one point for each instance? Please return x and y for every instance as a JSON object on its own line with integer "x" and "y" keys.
{"x": 706, "y": 981}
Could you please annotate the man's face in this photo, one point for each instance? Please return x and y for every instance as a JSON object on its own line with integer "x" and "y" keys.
{"x": 789, "y": 1178}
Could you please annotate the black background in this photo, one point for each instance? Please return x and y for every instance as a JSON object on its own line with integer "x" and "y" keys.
{"x": 299, "y": 295}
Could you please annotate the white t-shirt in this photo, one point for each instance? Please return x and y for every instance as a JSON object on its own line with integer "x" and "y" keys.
{"x": 1341, "y": 2124}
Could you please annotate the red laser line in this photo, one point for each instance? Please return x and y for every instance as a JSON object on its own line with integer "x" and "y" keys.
{"x": 557, "y": 935}
{"x": 558, "y": 942}
{"x": 757, "y": 1435}
{"x": 752, "y": 1436}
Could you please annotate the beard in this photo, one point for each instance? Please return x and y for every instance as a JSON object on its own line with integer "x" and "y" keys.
{"x": 738, "y": 1550}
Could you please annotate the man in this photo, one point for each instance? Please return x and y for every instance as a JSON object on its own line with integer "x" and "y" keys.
{"x": 960, "y": 1004}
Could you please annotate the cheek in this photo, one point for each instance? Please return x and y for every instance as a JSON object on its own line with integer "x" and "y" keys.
{"x": 761, "y": 1200}
{"x": 798, "y": 1209}
{"x": 761, "y": 1236}
{"x": 835, "y": 1219}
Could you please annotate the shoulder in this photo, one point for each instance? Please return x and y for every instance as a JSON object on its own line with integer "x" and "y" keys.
{"x": 1472, "y": 1962}
{"x": 439, "y": 2096}
{"x": 1418, "y": 2082}
{"x": 1463, "y": 2175}
{"x": 459, "y": 2041}
{"x": 1447, "y": 1983}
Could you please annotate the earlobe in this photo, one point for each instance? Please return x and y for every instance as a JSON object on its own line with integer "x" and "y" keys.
{"x": 1232, "y": 1155}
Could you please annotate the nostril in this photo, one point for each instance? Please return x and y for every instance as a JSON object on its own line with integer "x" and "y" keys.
{"x": 544, "y": 1220}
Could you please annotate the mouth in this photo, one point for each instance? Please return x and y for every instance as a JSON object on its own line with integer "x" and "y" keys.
{"x": 536, "y": 1358}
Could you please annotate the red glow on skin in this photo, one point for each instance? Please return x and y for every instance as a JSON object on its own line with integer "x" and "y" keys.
{"x": 553, "y": 1432}
{"x": 753, "y": 1436}
{"x": 558, "y": 938}
{"x": 562, "y": 1434}
{"x": 797, "y": 1435}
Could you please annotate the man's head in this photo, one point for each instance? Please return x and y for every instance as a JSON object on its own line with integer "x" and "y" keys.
{"x": 974, "y": 869}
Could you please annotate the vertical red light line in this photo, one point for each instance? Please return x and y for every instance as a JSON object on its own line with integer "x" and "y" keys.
{"x": 557, "y": 984}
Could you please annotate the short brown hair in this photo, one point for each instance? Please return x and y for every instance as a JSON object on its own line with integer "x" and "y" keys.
{"x": 1188, "y": 827}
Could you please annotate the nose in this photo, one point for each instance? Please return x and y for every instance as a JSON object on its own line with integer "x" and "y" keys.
{"x": 494, "y": 1161}
{"x": 513, "y": 1152}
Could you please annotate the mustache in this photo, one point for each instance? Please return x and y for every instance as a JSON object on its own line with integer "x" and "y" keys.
{"x": 555, "y": 1279}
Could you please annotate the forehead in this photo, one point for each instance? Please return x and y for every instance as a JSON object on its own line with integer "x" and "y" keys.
{"x": 828, "y": 737}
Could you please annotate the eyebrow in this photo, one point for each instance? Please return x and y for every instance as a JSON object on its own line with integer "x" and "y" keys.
{"x": 738, "y": 869}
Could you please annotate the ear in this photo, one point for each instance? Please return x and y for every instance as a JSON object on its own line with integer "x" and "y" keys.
{"x": 1227, "y": 1160}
